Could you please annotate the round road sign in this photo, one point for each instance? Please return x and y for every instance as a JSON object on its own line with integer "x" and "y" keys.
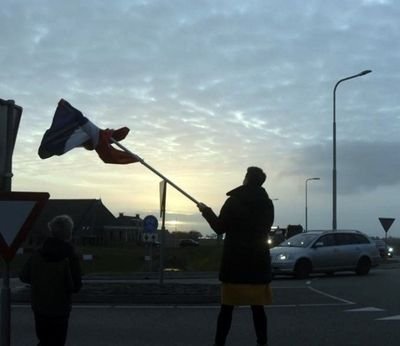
{"x": 150, "y": 224}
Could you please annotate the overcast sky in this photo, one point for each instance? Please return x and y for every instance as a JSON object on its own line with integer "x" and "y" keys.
{"x": 209, "y": 88}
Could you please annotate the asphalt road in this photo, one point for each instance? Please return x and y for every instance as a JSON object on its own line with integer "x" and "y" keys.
{"x": 342, "y": 310}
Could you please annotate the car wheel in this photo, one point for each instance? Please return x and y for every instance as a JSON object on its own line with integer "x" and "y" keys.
{"x": 363, "y": 266}
{"x": 302, "y": 269}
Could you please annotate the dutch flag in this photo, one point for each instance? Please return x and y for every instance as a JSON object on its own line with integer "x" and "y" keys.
{"x": 71, "y": 129}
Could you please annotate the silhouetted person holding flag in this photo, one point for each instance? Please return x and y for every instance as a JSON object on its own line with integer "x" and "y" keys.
{"x": 54, "y": 273}
{"x": 245, "y": 218}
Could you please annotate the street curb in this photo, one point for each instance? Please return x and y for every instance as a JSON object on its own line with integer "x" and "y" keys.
{"x": 137, "y": 293}
{"x": 151, "y": 276}
{"x": 143, "y": 288}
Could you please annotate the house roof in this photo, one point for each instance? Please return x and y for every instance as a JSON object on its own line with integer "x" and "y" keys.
{"x": 84, "y": 212}
{"x": 125, "y": 220}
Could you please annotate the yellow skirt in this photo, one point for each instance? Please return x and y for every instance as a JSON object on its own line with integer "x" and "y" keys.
{"x": 246, "y": 294}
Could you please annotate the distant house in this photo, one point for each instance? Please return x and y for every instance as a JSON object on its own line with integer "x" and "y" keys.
{"x": 129, "y": 227}
{"x": 93, "y": 221}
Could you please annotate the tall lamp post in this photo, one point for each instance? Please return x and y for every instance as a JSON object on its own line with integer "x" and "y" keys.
{"x": 307, "y": 180}
{"x": 334, "y": 190}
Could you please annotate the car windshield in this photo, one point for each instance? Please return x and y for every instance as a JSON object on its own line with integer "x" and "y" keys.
{"x": 300, "y": 240}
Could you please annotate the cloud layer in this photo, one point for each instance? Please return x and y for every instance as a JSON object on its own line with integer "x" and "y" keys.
{"x": 209, "y": 88}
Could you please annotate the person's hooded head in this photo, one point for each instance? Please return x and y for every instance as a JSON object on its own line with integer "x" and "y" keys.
{"x": 61, "y": 227}
{"x": 254, "y": 177}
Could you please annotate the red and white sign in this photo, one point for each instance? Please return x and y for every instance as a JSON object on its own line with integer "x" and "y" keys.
{"x": 18, "y": 212}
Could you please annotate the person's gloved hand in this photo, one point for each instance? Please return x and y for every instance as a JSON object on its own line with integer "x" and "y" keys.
{"x": 202, "y": 207}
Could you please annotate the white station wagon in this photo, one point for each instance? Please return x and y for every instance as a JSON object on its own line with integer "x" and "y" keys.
{"x": 324, "y": 252}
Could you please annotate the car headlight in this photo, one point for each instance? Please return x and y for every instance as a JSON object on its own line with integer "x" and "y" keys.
{"x": 283, "y": 257}
{"x": 390, "y": 249}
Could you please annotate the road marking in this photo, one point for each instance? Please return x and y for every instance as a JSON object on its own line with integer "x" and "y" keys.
{"x": 367, "y": 309}
{"x": 198, "y": 307}
{"x": 331, "y": 296}
{"x": 322, "y": 304}
{"x": 215, "y": 306}
{"x": 19, "y": 306}
{"x": 144, "y": 306}
{"x": 390, "y": 318}
{"x": 94, "y": 306}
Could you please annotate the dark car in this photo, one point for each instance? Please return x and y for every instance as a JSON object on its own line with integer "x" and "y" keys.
{"x": 188, "y": 243}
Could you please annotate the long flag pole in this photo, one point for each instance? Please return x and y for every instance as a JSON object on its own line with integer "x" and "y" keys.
{"x": 154, "y": 170}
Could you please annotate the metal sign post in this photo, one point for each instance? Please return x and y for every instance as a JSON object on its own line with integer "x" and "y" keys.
{"x": 18, "y": 212}
{"x": 6, "y": 306}
{"x": 150, "y": 224}
{"x": 386, "y": 223}
{"x": 163, "y": 198}
{"x": 10, "y": 116}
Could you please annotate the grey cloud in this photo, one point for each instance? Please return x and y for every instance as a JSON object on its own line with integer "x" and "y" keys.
{"x": 269, "y": 62}
{"x": 213, "y": 84}
{"x": 361, "y": 166}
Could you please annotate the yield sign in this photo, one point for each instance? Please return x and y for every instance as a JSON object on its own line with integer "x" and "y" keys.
{"x": 386, "y": 222}
{"x": 18, "y": 212}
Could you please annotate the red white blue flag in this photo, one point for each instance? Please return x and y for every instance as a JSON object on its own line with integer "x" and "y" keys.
{"x": 71, "y": 129}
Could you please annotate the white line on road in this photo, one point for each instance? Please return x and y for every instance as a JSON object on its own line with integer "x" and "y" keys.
{"x": 215, "y": 306}
{"x": 367, "y": 309}
{"x": 390, "y": 318}
{"x": 331, "y": 296}
{"x": 322, "y": 304}
{"x": 199, "y": 307}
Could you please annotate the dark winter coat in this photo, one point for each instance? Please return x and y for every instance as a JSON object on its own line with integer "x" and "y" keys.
{"x": 54, "y": 273}
{"x": 245, "y": 218}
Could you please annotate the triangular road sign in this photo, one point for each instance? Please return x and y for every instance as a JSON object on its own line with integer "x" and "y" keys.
{"x": 386, "y": 222}
{"x": 18, "y": 212}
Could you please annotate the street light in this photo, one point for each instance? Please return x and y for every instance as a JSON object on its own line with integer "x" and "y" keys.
{"x": 307, "y": 180}
{"x": 334, "y": 192}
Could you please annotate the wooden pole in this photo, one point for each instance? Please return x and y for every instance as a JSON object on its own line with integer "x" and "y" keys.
{"x": 154, "y": 170}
